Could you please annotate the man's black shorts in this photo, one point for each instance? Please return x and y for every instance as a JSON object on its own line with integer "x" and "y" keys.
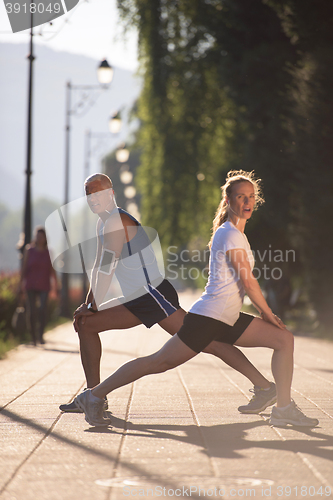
{"x": 154, "y": 306}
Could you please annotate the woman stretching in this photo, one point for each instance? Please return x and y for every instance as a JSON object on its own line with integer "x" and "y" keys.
{"x": 216, "y": 315}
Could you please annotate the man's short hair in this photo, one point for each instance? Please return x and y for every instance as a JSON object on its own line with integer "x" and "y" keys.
{"x": 105, "y": 180}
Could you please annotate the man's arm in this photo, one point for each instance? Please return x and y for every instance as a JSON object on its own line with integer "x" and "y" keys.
{"x": 93, "y": 277}
{"x": 82, "y": 309}
{"x": 116, "y": 233}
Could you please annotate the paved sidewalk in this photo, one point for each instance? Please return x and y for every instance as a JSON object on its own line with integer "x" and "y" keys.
{"x": 174, "y": 434}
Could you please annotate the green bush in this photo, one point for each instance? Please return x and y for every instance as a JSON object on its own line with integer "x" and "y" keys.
{"x": 9, "y": 300}
{"x": 9, "y": 283}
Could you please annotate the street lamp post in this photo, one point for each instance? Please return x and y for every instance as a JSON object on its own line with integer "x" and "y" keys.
{"x": 86, "y": 174}
{"x": 89, "y": 137}
{"x": 105, "y": 76}
{"x": 27, "y": 206}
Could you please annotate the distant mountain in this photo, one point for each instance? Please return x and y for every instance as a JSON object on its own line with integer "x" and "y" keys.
{"x": 52, "y": 70}
{"x": 12, "y": 191}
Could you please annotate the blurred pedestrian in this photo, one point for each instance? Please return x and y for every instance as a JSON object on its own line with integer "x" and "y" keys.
{"x": 36, "y": 276}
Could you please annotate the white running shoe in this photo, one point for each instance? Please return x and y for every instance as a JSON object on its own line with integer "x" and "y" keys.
{"x": 292, "y": 415}
{"x": 260, "y": 400}
{"x": 73, "y": 408}
{"x": 70, "y": 408}
{"x": 93, "y": 408}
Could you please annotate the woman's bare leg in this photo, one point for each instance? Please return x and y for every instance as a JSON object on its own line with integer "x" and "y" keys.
{"x": 172, "y": 354}
{"x": 262, "y": 334}
{"x": 226, "y": 352}
{"x": 234, "y": 358}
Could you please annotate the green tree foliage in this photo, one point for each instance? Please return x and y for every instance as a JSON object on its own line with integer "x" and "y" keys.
{"x": 308, "y": 24}
{"x": 114, "y": 170}
{"x": 234, "y": 84}
{"x": 180, "y": 136}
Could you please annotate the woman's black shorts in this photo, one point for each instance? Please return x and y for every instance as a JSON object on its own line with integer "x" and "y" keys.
{"x": 198, "y": 331}
{"x": 155, "y": 305}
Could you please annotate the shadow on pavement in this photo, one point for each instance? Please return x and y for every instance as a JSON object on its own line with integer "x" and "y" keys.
{"x": 326, "y": 370}
{"x": 112, "y": 457}
{"x": 223, "y": 440}
{"x": 49, "y": 347}
{"x": 227, "y": 440}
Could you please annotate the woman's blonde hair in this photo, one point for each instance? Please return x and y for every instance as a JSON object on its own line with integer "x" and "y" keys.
{"x": 234, "y": 177}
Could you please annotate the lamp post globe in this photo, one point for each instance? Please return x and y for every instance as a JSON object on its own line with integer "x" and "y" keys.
{"x": 104, "y": 73}
{"x": 122, "y": 154}
{"x": 115, "y": 123}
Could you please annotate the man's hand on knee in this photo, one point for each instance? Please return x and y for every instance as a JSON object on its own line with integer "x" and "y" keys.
{"x": 79, "y": 316}
{"x": 82, "y": 307}
{"x": 86, "y": 327}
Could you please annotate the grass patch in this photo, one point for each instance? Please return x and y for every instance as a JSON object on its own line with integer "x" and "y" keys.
{"x": 7, "y": 345}
{"x": 56, "y": 322}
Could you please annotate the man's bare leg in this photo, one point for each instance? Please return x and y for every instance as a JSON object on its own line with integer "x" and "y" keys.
{"x": 114, "y": 318}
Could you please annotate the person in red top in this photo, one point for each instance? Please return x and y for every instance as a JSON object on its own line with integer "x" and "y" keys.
{"x": 36, "y": 275}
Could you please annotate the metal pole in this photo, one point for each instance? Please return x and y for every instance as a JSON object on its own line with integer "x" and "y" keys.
{"x": 67, "y": 144}
{"x": 87, "y": 154}
{"x": 64, "y": 308}
{"x": 86, "y": 174}
{"x": 27, "y": 208}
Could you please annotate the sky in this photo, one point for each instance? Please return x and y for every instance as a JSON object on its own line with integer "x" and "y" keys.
{"x": 92, "y": 28}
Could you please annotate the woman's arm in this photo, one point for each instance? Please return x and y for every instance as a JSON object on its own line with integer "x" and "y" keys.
{"x": 240, "y": 263}
{"x": 54, "y": 280}
{"x": 24, "y": 269}
{"x": 53, "y": 275}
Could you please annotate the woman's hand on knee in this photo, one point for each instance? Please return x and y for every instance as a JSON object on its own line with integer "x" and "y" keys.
{"x": 270, "y": 317}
